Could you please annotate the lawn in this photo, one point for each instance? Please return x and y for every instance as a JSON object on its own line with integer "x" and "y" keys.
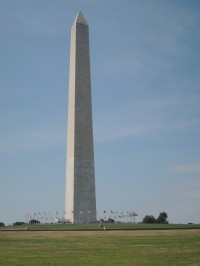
{"x": 141, "y": 247}
{"x": 96, "y": 226}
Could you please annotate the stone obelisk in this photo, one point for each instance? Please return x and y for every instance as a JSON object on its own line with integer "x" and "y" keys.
{"x": 80, "y": 204}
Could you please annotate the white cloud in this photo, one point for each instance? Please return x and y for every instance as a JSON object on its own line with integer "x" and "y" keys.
{"x": 117, "y": 132}
{"x": 187, "y": 191}
{"x": 186, "y": 168}
{"x": 33, "y": 139}
{"x": 145, "y": 118}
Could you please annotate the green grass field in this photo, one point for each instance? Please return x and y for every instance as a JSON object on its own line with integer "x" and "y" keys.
{"x": 96, "y": 226}
{"x": 141, "y": 247}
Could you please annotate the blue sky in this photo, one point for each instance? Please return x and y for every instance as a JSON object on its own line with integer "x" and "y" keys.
{"x": 145, "y": 67}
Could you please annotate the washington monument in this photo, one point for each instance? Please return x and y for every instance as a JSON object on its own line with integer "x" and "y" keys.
{"x": 80, "y": 203}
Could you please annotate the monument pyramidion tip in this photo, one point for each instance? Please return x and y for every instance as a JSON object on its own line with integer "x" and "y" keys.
{"x": 80, "y": 19}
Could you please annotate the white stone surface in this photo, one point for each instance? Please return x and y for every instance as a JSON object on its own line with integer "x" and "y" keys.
{"x": 80, "y": 205}
{"x": 80, "y": 18}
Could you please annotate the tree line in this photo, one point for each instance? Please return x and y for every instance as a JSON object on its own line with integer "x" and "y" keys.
{"x": 161, "y": 219}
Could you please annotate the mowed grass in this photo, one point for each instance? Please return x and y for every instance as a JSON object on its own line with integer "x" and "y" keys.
{"x": 149, "y": 247}
{"x": 96, "y": 226}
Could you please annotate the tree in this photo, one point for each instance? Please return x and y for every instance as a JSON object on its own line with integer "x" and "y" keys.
{"x": 149, "y": 219}
{"x": 110, "y": 220}
{"x": 162, "y": 218}
{"x": 33, "y": 221}
{"x": 2, "y": 224}
{"x": 18, "y": 223}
